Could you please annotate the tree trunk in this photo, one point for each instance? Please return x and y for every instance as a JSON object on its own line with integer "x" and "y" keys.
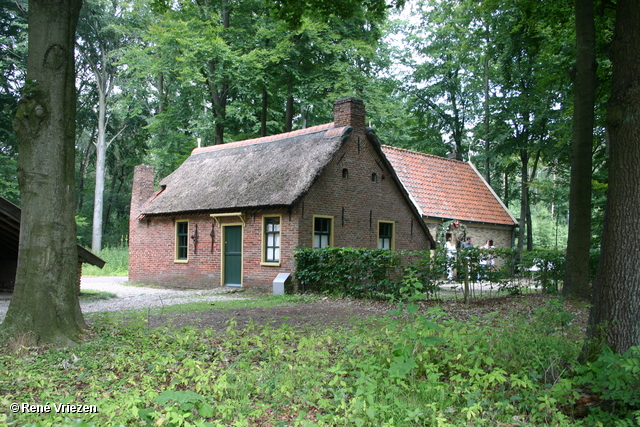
{"x": 263, "y": 112}
{"x": 524, "y": 199}
{"x": 83, "y": 165}
{"x": 505, "y": 181}
{"x": 161, "y": 95}
{"x": 288, "y": 114}
{"x": 101, "y": 156}
{"x": 534, "y": 171}
{"x": 576, "y": 276}
{"x": 487, "y": 159}
{"x": 218, "y": 93}
{"x": 615, "y": 318}
{"x": 44, "y": 307}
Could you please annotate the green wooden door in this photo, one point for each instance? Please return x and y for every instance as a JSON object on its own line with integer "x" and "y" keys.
{"x": 233, "y": 255}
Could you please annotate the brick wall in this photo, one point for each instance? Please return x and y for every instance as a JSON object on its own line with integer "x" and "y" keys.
{"x": 349, "y": 112}
{"x": 152, "y": 253}
{"x": 346, "y": 191}
{"x": 153, "y": 257}
{"x": 501, "y": 235}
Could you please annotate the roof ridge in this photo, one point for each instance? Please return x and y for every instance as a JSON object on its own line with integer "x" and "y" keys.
{"x": 421, "y": 153}
{"x": 263, "y": 139}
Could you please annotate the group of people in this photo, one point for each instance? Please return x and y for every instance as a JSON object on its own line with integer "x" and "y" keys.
{"x": 451, "y": 249}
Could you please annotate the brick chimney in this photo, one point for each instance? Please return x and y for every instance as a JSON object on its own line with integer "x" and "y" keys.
{"x": 349, "y": 112}
{"x": 142, "y": 189}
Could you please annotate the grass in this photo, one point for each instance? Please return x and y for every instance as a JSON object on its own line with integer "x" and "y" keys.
{"x": 267, "y": 301}
{"x": 410, "y": 369}
{"x": 117, "y": 263}
{"x": 93, "y": 295}
{"x": 250, "y": 301}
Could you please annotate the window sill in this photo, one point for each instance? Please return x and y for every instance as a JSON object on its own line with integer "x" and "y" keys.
{"x": 181, "y": 261}
{"x": 270, "y": 264}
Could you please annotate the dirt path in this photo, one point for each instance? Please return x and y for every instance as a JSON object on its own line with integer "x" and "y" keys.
{"x": 316, "y": 314}
{"x": 338, "y": 312}
{"x": 133, "y": 297}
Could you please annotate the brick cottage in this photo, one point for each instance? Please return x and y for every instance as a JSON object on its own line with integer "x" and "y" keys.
{"x": 232, "y": 214}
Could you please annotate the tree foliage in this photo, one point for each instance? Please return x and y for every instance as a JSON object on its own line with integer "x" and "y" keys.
{"x": 13, "y": 52}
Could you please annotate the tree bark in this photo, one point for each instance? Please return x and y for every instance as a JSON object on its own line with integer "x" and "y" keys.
{"x": 487, "y": 159}
{"x": 101, "y": 158}
{"x": 576, "y": 276}
{"x": 218, "y": 93}
{"x": 44, "y": 307}
{"x": 524, "y": 199}
{"x": 615, "y": 317}
{"x": 288, "y": 114}
{"x": 529, "y": 220}
{"x": 263, "y": 111}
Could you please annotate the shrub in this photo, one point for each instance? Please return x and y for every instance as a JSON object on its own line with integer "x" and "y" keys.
{"x": 547, "y": 265}
{"x": 347, "y": 271}
{"x": 616, "y": 379}
{"x": 378, "y": 273}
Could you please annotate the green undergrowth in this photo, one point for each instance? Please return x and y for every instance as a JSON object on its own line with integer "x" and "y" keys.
{"x": 117, "y": 263}
{"x": 411, "y": 368}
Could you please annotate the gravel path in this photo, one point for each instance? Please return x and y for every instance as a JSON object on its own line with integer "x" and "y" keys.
{"x": 136, "y": 297}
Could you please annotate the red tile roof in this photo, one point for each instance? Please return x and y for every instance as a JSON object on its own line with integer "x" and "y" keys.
{"x": 447, "y": 189}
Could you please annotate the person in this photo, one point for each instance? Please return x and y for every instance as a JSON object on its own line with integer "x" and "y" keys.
{"x": 451, "y": 253}
{"x": 487, "y": 260}
{"x": 466, "y": 244}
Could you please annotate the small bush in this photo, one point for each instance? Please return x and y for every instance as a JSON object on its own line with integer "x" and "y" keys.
{"x": 616, "y": 379}
{"x": 548, "y": 267}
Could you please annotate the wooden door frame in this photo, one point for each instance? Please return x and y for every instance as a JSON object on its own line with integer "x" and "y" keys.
{"x": 222, "y": 251}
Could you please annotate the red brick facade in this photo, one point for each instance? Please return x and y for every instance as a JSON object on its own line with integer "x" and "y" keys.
{"x": 356, "y": 189}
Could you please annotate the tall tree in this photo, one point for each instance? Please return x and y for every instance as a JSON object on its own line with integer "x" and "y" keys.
{"x": 97, "y": 42}
{"x": 576, "y": 278}
{"x": 44, "y": 307}
{"x": 615, "y": 314}
{"x": 450, "y": 41}
{"x": 532, "y": 91}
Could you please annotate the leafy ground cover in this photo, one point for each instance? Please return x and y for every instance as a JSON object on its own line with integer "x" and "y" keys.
{"x": 506, "y": 361}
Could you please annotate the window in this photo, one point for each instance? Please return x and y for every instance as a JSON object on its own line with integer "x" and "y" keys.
{"x": 345, "y": 173}
{"x": 322, "y": 232}
{"x": 374, "y": 177}
{"x": 182, "y": 241}
{"x": 271, "y": 227}
{"x": 385, "y": 235}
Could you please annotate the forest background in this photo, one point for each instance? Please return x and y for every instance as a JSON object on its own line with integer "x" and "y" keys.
{"x": 490, "y": 80}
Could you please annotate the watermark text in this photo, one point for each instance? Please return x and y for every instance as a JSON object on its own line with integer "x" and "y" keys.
{"x": 57, "y": 408}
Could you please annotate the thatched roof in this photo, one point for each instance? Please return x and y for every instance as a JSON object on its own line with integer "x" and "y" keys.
{"x": 262, "y": 172}
{"x": 10, "y": 234}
